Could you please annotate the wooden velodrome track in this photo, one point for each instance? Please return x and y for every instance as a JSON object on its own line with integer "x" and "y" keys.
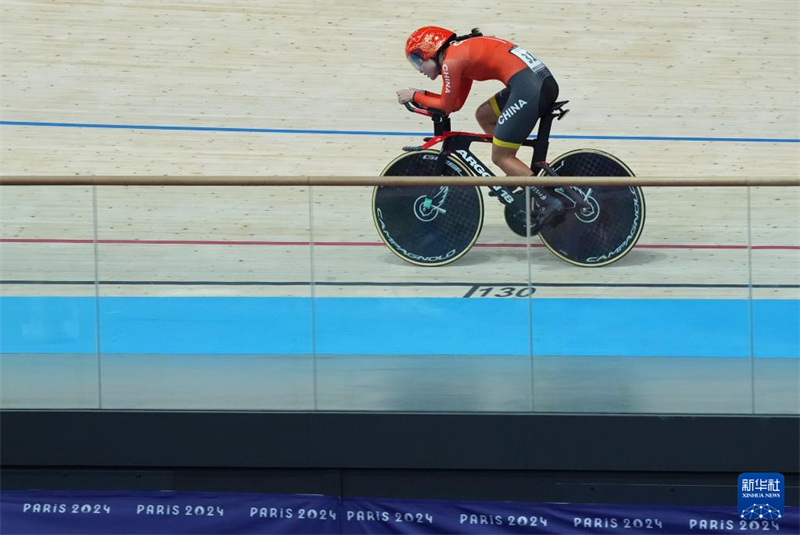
{"x": 92, "y": 87}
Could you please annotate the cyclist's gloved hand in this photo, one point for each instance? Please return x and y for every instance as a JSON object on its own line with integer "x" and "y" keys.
{"x": 405, "y": 95}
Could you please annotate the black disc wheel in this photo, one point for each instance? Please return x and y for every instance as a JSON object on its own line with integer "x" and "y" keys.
{"x": 613, "y": 218}
{"x": 427, "y": 225}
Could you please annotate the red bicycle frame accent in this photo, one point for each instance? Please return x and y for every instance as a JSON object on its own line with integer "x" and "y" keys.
{"x": 435, "y": 140}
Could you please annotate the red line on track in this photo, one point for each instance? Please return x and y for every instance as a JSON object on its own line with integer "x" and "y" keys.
{"x": 360, "y": 244}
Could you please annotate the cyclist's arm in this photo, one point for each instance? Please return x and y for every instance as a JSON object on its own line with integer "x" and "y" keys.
{"x": 428, "y": 93}
{"x": 455, "y": 90}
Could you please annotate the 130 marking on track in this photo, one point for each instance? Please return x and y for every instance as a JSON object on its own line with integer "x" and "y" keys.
{"x": 501, "y": 291}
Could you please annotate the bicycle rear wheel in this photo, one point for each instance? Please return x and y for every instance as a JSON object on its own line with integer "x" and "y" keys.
{"x": 612, "y": 229}
{"x": 427, "y": 225}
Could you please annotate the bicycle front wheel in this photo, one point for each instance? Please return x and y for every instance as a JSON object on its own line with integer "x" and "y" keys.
{"x": 427, "y": 225}
{"x": 612, "y": 228}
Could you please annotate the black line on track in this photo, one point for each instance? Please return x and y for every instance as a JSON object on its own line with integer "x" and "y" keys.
{"x": 472, "y": 291}
{"x": 473, "y": 285}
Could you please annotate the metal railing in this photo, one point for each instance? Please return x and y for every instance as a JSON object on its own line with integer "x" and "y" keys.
{"x": 135, "y": 180}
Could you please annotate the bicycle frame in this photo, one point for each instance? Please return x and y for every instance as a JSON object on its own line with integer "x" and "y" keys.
{"x": 458, "y": 143}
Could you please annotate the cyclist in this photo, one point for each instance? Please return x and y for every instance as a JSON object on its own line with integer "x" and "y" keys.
{"x": 509, "y": 116}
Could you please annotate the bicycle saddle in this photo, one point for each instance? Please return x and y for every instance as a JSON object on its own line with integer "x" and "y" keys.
{"x": 557, "y": 109}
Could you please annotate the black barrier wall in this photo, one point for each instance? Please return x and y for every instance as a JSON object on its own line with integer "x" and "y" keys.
{"x": 571, "y": 458}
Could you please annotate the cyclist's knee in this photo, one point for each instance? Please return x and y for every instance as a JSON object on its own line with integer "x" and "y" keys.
{"x": 485, "y": 115}
{"x": 500, "y": 155}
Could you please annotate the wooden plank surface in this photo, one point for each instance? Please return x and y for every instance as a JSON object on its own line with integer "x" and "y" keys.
{"x": 98, "y": 88}
{"x": 212, "y": 88}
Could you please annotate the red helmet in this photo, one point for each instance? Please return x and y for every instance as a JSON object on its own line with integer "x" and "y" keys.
{"x": 424, "y": 43}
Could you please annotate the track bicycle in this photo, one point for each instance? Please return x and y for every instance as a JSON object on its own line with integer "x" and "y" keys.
{"x": 437, "y": 225}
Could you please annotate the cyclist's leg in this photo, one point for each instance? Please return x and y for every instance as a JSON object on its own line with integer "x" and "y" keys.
{"x": 531, "y": 95}
{"x": 488, "y": 112}
{"x": 506, "y": 159}
{"x": 516, "y": 118}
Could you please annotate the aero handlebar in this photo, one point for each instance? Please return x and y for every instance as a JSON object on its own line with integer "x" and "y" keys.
{"x": 428, "y": 112}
